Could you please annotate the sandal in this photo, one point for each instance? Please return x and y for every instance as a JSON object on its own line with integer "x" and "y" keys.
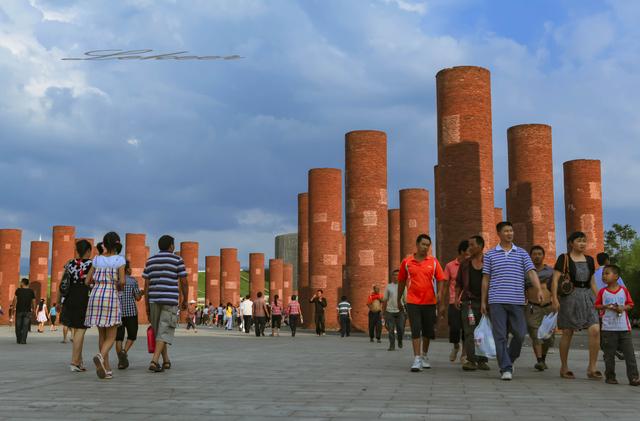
{"x": 99, "y": 362}
{"x": 166, "y": 365}
{"x": 155, "y": 367}
{"x": 123, "y": 361}
{"x": 568, "y": 375}
{"x": 109, "y": 375}
{"x": 594, "y": 375}
{"x": 634, "y": 382}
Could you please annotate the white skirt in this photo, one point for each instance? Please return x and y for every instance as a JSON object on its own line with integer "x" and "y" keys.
{"x": 42, "y": 317}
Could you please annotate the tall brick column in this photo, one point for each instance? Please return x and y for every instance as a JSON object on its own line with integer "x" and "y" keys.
{"x": 135, "y": 251}
{"x": 583, "y": 202}
{"x": 325, "y": 236}
{"x": 256, "y": 274}
{"x": 464, "y": 174}
{"x": 237, "y": 268}
{"x": 287, "y": 283}
{"x": 530, "y": 203}
{"x": 414, "y": 218}
{"x": 212, "y": 280}
{"x": 394, "y": 239}
{"x": 303, "y": 257}
{"x": 39, "y": 269}
{"x": 229, "y": 279}
{"x": 63, "y": 249}
{"x": 189, "y": 251}
{"x": 10, "y": 242}
{"x": 276, "y": 277}
{"x": 366, "y": 213}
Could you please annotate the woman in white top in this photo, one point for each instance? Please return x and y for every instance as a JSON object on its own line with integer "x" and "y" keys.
{"x": 42, "y": 315}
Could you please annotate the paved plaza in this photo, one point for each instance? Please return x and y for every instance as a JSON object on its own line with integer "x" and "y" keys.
{"x": 229, "y": 375}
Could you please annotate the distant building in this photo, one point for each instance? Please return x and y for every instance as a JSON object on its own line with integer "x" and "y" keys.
{"x": 287, "y": 250}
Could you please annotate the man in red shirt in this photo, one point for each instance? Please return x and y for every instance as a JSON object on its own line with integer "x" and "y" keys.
{"x": 453, "y": 314}
{"x": 419, "y": 273}
{"x": 374, "y": 302}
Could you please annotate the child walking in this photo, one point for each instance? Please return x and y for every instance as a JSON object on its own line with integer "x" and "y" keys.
{"x": 614, "y": 301}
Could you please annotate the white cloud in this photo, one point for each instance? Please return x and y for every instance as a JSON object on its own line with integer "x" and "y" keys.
{"x": 133, "y": 142}
{"x": 409, "y": 6}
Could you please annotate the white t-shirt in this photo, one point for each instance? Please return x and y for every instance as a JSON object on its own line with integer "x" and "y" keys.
{"x": 109, "y": 262}
{"x": 246, "y": 307}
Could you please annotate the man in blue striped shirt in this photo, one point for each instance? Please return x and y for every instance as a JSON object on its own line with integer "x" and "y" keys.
{"x": 504, "y": 271}
{"x": 166, "y": 285}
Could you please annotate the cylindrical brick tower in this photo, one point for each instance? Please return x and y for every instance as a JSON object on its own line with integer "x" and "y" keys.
{"x": 303, "y": 257}
{"x": 394, "y": 239}
{"x": 39, "y": 269}
{"x": 10, "y": 242}
{"x": 287, "y": 283}
{"x": 325, "y": 236}
{"x": 229, "y": 280}
{"x": 464, "y": 174}
{"x": 583, "y": 202}
{"x": 63, "y": 249}
{"x": 366, "y": 213}
{"x": 276, "y": 277}
{"x": 237, "y": 269}
{"x": 135, "y": 251}
{"x": 498, "y": 215}
{"x": 189, "y": 252}
{"x": 256, "y": 274}
{"x": 414, "y": 218}
{"x": 530, "y": 203}
{"x": 212, "y": 280}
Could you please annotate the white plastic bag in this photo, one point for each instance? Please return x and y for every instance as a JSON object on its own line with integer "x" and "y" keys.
{"x": 483, "y": 336}
{"x": 548, "y": 326}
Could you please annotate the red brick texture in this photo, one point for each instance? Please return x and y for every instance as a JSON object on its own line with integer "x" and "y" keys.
{"x": 63, "y": 249}
{"x": 414, "y": 218}
{"x": 212, "y": 280}
{"x": 256, "y": 274}
{"x": 39, "y": 269}
{"x": 10, "y": 242}
{"x": 366, "y": 223}
{"x": 583, "y": 202}
{"x": 229, "y": 279}
{"x": 189, "y": 251}
{"x": 325, "y": 236}
{"x": 394, "y": 239}
{"x": 287, "y": 283}
{"x": 303, "y": 257}
{"x": 276, "y": 278}
{"x": 530, "y": 200}
{"x": 136, "y": 253}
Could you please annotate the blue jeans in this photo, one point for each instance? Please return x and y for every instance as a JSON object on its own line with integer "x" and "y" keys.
{"x": 505, "y": 319}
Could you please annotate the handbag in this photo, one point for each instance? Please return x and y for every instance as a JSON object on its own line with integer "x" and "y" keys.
{"x": 566, "y": 285}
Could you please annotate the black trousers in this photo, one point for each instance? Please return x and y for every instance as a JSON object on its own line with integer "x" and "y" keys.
{"x": 319, "y": 319}
{"x": 261, "y": 322}
{"x": 613, "y": 341}
{"x": 395, "y": 323}
{"x": 454, "y": 317}
{"x": 345, "y": 325}
{"x": 23, "y": 323}
{"x": 294, "y": 319}
{"x": 247, "y": 323}
{"x": 375, "y": 324}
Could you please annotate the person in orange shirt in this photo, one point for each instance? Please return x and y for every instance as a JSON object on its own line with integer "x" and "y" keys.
{"x": 419, "y": 274}
{"x": 374, "y": 302}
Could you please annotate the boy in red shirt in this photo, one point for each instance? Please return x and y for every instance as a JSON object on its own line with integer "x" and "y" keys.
{"x": 419, "y": 273}
{"x": 614, "y": 302}
{"x": 374, "y": 302}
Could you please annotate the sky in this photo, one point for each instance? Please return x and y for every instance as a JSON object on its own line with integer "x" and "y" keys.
{"x": 217, "y": 151}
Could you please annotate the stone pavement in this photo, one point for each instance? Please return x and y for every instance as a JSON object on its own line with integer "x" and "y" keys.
{"x": 224, "y": 375}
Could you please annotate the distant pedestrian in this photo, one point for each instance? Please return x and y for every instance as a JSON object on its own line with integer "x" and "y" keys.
{"x": 295, "y": 314}
{"x": 276, "y": 315}
{"x": 53, "y": 315}
{"x": 344, "y": 316}
{"x": 75, "y": 300}
{"x": 454, "y": 317}
{"x": 191, "y": 316}
{"x": 220, "y": 314}
{"x": 504, "y": 270}
{"x": 614, "y": 301}
{"x": 24, "y": 303}
{"x": 128, "y": 297}
{"x": 246, "y": 309}
{"x": 536, "y": 311}
{"x": 260, "y": 314}
{"x": 374, "y": 303}
{"x": 166, "y": 287}
{"x": 394, "y": 316}
{"x": 228, "y": 317}
{"x": 319, "y": 304}
{"x": 575, "y": 307}
{"x": 107, "y": 275}
{"x": 419, "y": 273}
{"x": 42, "y": 315}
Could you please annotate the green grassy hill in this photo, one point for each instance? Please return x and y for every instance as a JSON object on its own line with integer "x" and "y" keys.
{"x": 244, "y": 283}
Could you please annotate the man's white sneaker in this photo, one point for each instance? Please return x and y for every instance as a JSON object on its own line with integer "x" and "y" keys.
{"x": 425, "y": 362}
{"x": 507, "y": 375}
{"x": 417, "y": 365}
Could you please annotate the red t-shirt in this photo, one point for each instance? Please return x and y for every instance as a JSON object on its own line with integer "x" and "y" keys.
{"x": 373, "y": 296}
{"x": 420, "y": 276}
{"x": 450, "y": 274}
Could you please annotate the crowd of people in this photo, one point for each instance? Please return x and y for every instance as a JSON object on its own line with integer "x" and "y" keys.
{"x": 511, "y": 287}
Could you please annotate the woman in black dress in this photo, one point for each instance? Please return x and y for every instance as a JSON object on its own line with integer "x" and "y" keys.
{"x": 75, "y": 302}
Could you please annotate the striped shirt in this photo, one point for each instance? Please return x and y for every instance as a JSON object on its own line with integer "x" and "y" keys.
{"x": 507, "y": 271}
{"x": 163, "y": 271}
{"x": 293, "y": 308}
{"x": 343, "y": 308}
{"x": 128, "y": 297}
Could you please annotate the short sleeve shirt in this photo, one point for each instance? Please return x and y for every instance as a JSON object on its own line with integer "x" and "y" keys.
{"x": 450, "y": 273}
{"x": 343, "y": 308}
{"x": 611, "y": 320}
{"x": 421, "y": 277}
{"x": 507, "y": 271}
{"x": 25, "y": 297}
{"x": 128, "y": 297}
{"x": 163, "y": 271}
